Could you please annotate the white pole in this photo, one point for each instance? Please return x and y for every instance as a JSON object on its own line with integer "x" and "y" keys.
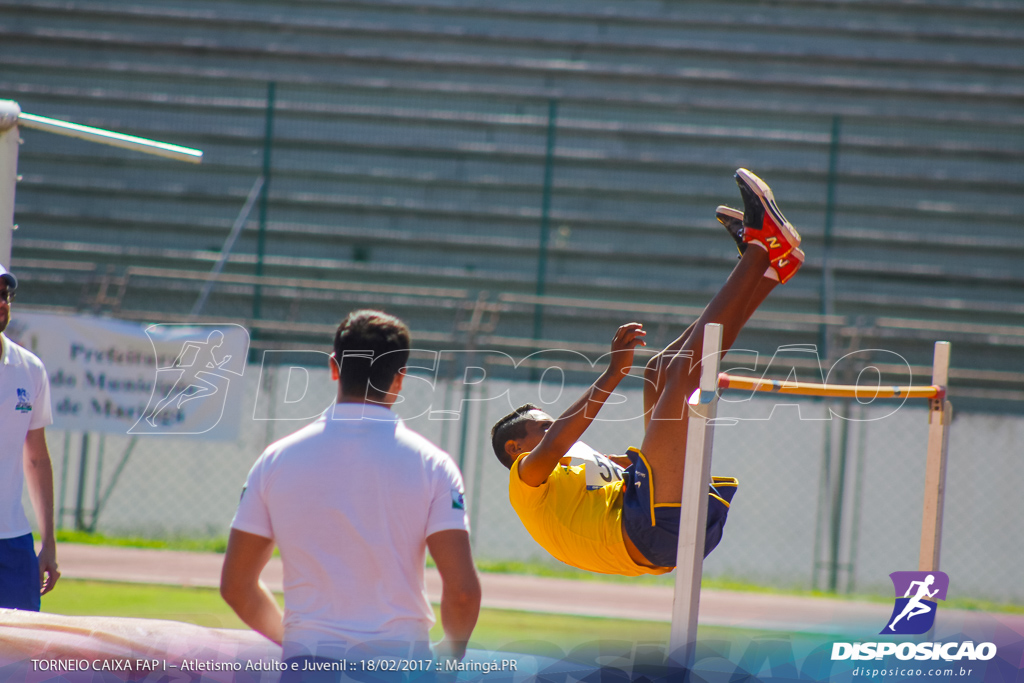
{"x": 109, "y": 137}
{"x": 9, "y": 140}
{"x": 940, "y": 413}
{"x": 693, "y": 511}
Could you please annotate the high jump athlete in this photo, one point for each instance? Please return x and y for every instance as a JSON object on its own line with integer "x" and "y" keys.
{"x": 631, "y": 526}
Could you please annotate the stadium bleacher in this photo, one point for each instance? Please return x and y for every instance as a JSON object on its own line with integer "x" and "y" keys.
{"x": 408, "y": 157}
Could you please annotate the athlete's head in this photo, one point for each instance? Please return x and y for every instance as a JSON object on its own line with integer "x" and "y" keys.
{"x": 370, "y": 349}
{"x": 8, "y": 283}
{"x": 519, "y": 432}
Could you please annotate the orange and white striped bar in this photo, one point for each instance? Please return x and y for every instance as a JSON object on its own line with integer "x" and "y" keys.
{"x": 773, "y": 386}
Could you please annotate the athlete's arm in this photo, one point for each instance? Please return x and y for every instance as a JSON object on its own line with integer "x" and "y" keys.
{"x": 39, "y": 478}
{"x": 460, "y": 589}
{"x": 241, "y": 588}
{"x": 569, "y": 427}
{"x": 620, "y": 460}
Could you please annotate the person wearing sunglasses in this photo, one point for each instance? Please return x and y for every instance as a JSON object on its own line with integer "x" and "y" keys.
{"x": 24, "y": 416}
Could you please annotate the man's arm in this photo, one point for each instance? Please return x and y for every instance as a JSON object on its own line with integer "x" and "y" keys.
{"x": 569, "y": 427}
{"x": 241, "y": 588}
{"x": 39, "y": 477}
{"x": 460, "y": 589}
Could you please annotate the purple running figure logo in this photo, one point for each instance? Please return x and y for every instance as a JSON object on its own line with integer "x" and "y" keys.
{"x": 914, "y": 612}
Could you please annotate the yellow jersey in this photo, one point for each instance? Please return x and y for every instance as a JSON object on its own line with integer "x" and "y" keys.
{"x": 579, "y": 527}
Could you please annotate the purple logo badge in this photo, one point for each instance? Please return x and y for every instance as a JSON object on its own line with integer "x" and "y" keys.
{"x": 916, "y": 595}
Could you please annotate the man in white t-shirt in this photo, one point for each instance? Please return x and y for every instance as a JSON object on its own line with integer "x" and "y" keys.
{"x": 353, "y": 501}
{"x": 24, "y": 416}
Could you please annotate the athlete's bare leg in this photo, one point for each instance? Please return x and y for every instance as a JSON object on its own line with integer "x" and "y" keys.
{"x": 664, "y": 444}
{"x": 655, "y": 372}
{"x": 770, "y": 240}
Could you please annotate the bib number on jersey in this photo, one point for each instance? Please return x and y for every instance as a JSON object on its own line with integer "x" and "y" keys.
{"x": 599, "y": 469}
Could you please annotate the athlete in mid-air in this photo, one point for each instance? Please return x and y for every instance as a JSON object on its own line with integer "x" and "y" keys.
{"x": 631, "y": 526}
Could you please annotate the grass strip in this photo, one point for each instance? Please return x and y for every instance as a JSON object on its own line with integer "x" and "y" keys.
{"x": 219, "y": 545}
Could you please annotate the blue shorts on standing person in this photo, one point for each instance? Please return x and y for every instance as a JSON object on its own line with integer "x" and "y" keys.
{"x": 19, "y": 574}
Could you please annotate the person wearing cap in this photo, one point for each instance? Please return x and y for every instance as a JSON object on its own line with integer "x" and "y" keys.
{"x": 24, "y": 415}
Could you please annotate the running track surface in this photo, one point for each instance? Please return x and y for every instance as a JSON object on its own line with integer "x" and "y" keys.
{"x": 523, "y": 593}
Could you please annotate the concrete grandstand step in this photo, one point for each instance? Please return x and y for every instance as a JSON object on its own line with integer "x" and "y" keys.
{"x": 52, "y": 76}
{"x": 621, "y": 33}
{"x": 468, "y": 67}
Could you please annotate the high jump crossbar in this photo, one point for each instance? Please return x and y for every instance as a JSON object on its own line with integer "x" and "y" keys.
{"x": 109, "y": 137}
{"x": 697, "y": 470}
{"x": 12, "y": 117}
{"x": 864, "y": 393}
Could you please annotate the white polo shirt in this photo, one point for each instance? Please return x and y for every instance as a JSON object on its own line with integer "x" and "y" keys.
{"x": 24, "y": 405}
{"x": 350, "y": 501}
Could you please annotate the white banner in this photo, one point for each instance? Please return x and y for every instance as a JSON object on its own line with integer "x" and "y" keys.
{"x": 128, "y": 378}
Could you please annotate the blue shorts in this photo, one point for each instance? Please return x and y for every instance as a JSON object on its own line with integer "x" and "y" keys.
{"x": 654, "y": 529}
{"x": 19, "y": 574}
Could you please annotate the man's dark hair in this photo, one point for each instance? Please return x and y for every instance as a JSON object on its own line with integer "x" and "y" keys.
{"x": 370, "y": 348}
{"x": 510, "y": 427}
